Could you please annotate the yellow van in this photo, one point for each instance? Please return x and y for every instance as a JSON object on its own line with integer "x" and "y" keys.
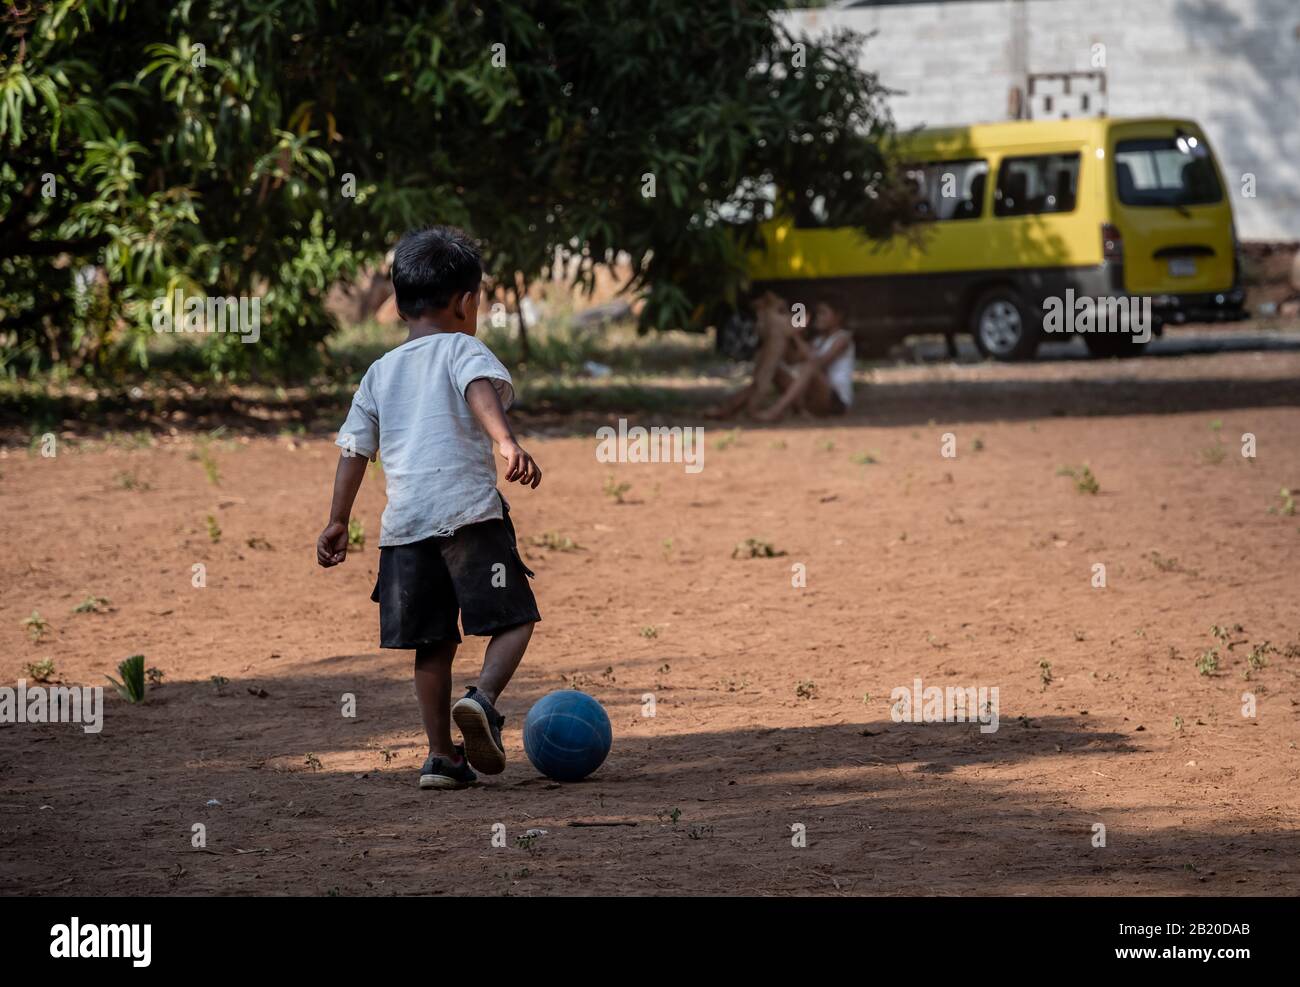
{"x": 1012, "y": 217}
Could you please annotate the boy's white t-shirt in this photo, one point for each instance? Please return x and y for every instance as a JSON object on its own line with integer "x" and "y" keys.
{"x": 410, "y": 408}
{"x": 840, "y": 373}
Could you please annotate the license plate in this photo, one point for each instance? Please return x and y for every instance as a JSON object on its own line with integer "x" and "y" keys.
{"x": 1182, "y": 267}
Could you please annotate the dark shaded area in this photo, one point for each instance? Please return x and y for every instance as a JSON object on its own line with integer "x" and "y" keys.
{"x": 564, "y": 406}
{"x": 864, "y": 791}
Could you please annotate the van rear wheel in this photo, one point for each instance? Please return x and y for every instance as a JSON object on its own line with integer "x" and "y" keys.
{"x": 1002, "y": 326}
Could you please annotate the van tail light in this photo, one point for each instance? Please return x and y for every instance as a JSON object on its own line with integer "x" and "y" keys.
{"x": 1112, "y": 242}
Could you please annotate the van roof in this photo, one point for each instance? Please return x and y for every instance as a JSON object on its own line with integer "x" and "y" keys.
{"x": 1020, "y": 132}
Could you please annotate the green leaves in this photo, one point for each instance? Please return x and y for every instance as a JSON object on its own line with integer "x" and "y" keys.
{"x": 131, "y": 688}
{"x": 207, "y": 147}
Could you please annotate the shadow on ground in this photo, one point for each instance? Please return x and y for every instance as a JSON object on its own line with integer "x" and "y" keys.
{"x": 884, "y": 808}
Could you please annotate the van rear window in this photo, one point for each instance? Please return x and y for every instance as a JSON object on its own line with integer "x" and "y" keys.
{"x": 1035, "y": 184}
{"x": 1165, "y": 171}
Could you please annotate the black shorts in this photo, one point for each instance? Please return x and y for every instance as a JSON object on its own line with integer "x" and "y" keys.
{"x": 476, "y": 572}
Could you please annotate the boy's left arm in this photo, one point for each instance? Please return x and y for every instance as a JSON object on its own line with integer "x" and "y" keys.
{"x": 332, "y": 545}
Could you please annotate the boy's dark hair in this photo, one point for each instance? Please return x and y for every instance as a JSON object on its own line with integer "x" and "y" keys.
{"x": 433, "y": 266}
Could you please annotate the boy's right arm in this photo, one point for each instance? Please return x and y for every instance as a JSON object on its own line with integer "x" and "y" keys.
{"x": 483, "y": 401}
{"x": 332, "y": 545}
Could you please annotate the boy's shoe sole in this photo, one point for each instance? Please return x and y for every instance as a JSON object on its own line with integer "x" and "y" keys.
{"x": 481, "y": 747}
{"x": 442, "y": 782}
{"x": 441, "y": 773}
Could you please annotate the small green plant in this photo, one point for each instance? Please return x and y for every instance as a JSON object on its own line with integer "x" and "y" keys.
{"x": 978, "y": 444}
{"x": 727, "y": 439}
{"x": 1045, "y": 672}
{"x": 667, "y": 546}
{"x": 313, "y": 762}
{"x": 1162, "y": 563}
{"x": 203, "y": 454}
{"x": 1208, "y": 663}
{"x": 530, "y": 841}
{"x": 129, "y": 480}
{"x": 1213, "y": 455}
{"x": 131, "y": 688}
{"x": 778, "y": 444}
{"x": 356, "y": 534}
{"x": 41, "y": 671}
{"x": 92, "y": 604}
{"x": 154, "y": 675}
{"x": 1287, "y": 507}
{"x": 806, "y": 689}
{"x": 209, "y": 463}
{"x": 864, "y": 458}
{"x": 37, "y": 626}
{"x": 219, "y": 682}
{"x": 1257, "y": 660}
{"x": 671, "y": 815}
{"x": 753, "y": 548}
{"x": 826, "y": 445}
{"x": 1178, "y": 723}
{"x": 556, "y": 542}
{"x": 1224, "y": 635}
{"x": 214, "y": 529}
{"x": 650, "y": 630}
{"x": 1084, "y": 481}
{"x": 615, "y": 490}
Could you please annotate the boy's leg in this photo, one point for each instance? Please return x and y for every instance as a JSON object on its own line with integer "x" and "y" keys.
{"x": 504, "y": 652}
{"x": 433, "y": 691}
{"x": 810, "y": 385}
{"x": 767, "y": 363}
{"x": 495, "y": 600}
{"x": 476, "y": 714}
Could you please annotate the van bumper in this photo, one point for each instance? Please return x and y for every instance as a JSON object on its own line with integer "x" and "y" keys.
{"x": 1107, "y": 279}
{"x": 1221, "y": 306}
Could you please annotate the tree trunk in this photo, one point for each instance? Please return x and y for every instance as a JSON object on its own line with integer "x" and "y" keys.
{"x": 525, "y": 349}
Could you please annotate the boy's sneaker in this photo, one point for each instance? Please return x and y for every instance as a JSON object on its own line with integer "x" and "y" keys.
{"x": 439, "y": 772}
{"x": 480, "y": 724}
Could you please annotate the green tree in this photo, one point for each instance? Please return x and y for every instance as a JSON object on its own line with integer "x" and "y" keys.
{"x": 270, "y": 147}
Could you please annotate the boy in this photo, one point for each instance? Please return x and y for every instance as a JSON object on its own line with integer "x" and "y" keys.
{"x": 432, "y": 408}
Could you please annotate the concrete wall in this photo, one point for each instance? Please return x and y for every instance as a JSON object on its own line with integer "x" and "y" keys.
{"x": 1231, "y": 65}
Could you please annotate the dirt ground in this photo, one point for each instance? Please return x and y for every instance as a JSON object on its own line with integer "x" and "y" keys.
{"x": 772, "y": 702}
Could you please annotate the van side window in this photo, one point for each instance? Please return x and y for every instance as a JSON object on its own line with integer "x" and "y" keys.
{"x": 1039, "y": 184}
{"x": 949, "y": 189}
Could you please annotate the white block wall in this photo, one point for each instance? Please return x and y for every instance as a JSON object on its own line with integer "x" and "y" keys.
{"x": 1231, "y": 65}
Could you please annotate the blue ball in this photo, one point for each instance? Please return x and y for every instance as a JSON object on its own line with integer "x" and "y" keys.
{"x": 567, "y": 735}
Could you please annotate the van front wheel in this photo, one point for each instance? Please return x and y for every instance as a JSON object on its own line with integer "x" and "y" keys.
{"x": 1001, "y": 325}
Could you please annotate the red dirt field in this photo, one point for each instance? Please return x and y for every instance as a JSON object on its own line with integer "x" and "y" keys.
{"x": 772, "y": 702}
